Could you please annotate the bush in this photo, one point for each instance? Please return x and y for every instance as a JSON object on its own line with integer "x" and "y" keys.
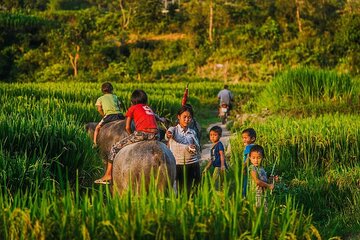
{"x": 139, "y": 63}
{"x": 54, "y": 73}
{"x": 116, "y": 72}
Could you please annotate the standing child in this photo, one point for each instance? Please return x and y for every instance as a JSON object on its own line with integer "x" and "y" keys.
{"x": 259, "y": 179}
{"x": 185, "y": 146}
{"x": 108, "y": 106}
{"x": 145, "y": 129}
{"x": 249, "y": 138}
{"x": 217, "y": 152}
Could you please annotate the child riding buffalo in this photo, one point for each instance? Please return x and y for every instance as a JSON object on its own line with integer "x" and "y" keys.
{"x": 145, "y": 129}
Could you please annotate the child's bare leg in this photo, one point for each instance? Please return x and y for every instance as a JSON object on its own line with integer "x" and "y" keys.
{"x": 96, "y": 132}
{"x": 107, "y": 176}
{"x": 108, "y": 172}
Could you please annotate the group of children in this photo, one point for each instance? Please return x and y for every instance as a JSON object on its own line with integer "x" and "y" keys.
{"x": 252, "y": 157}
{"x": 146, "y": 129}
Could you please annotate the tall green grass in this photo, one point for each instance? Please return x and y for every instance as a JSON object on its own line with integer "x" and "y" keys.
{"x": 46, "y": 156}
{"x": 311, "y": 90}
{"x": 44, "y": 122}
{"x": 314, "y": 144}
{"x": 318, "y": 159}
{"x": 209, "y": 214}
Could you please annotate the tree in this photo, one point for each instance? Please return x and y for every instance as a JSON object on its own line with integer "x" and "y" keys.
{"x": 74, "y": 60}
{"x": 211, "y": 21}
{"x": 298, "y": 18}
{"x": 147, "y": 14}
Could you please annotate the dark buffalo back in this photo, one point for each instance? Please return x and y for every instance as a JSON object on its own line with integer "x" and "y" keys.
{"x": 109, "y": 134}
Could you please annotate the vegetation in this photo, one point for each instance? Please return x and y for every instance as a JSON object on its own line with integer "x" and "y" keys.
{"x": 294, "y": 65}
{"x": 312, "y": 91}
{"x": 47, "y": 160}
{"x": 316, "y": 152}
{"x": 88, "y": 40}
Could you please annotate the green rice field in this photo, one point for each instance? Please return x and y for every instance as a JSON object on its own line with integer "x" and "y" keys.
{"x": 310, "y": 133}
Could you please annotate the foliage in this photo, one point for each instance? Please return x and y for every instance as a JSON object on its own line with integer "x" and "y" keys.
{"x": 54, "y": 73}
{"x": 96, "y": 214}
{"x": 139, "y": 62}
{"x": 317, "y": 158}
{"x": 255, "y": 38}
{"x": 42, "y": 139}
{"x": 306, "y": 87}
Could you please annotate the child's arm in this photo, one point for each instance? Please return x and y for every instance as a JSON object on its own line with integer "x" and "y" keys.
{"x": 259, "y": 182}
{"x": 128, "y": 125}
{"x": 208, "y": 165}
{"x": 222, "y": 159}
{"x": 169, "y": 133}
{"x": 100, "y": 110}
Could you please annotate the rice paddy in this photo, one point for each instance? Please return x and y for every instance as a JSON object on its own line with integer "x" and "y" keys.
{"x": 47, "y": 165}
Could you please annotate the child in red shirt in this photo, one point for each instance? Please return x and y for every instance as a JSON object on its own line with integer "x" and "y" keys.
{"x": 145, "y": 129}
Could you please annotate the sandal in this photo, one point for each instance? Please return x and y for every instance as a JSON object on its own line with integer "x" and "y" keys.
{"x": 101, "y": 181}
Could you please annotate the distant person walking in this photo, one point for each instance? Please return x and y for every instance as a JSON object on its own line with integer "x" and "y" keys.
{"x": 225, "y": 96}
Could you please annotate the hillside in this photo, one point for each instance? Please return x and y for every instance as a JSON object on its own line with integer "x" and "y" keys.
{"x": 122, "y": 41}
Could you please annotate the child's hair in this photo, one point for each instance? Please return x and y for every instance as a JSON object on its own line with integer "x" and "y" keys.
{"x": 257, "y": 148}
{"x": 250, "y": 131}
{"x": 216, "y": 129}
{"x": 226, "y": 86}
{"x": 139, "y": 97}
{"x": 186, "y": 108}
{"x": 107, "y": 87}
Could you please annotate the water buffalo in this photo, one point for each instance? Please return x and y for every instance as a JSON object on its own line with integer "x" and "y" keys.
{"x": 143, "y": 158}
{"x": 109, "y": 134}
{"x": 135, "y": 159}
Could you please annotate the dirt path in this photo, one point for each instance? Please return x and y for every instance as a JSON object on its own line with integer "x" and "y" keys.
{"x": 225, "y": 139}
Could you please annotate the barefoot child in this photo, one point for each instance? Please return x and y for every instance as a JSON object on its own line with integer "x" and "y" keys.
{"x": 108, "y": 106}
{"x": 258, "y": 183}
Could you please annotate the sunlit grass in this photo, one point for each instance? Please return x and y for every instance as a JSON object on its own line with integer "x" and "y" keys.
{"x": 96, "y": 214}
{"x": 311, "y": 90}
{"x": 47, "y": 166}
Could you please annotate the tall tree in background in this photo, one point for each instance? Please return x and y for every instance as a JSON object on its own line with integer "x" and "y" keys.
{"x": 211, "y": 20}
{"x": 298, "y": 18}
{"x": 74, "y": 58}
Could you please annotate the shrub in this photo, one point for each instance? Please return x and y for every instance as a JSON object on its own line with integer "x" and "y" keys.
{"x": 139, "y": 62}
{"x": 54, "y": 73}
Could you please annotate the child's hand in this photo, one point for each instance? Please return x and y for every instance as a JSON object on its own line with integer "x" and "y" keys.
{"x": 191, "y": 148}
{"x": 169, "y": 134}
{"x": 271, "y": 186}
{"x": 222, "y": 168}
{"x": 274, "y": 178}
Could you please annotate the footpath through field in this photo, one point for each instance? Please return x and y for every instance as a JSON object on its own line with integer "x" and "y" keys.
{"x": 225, "y": 139}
